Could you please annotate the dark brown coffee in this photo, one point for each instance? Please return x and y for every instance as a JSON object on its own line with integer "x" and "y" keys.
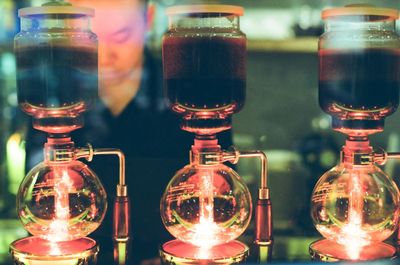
{"x": 359, "y": 81}
{"x": 205, "y": 73}
{"x": 56, "y": 78}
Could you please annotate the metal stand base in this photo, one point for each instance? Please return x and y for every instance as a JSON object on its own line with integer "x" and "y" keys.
{"x": 329, "y": 251}
{"x": 177, "y": 252}
{"x": 37, "y": 251}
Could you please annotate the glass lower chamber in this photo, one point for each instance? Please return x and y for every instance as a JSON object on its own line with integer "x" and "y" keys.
{"x": 329, "y": 251}
{"x": 176, "y": 252}
{"x": 37, "y": 251}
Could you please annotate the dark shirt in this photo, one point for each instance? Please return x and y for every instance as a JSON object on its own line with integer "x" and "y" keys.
{"x": 155, "y": 148}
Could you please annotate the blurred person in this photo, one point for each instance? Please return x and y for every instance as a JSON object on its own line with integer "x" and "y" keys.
{"x": 121, "y": 28}
{"x": 131, "y": 115}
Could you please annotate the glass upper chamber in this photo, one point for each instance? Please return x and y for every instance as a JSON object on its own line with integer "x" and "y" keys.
{"x": 359, "y": 66}
{"x": 61, "y": 201}
{"x": 204, "y": 64}
{"x": 206, "y": 205}
{"x": 57, "y": 72}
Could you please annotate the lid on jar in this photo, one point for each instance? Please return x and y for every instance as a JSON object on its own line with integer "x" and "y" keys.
{"x": 55, "y": 8}
{"x": 360, "y": 10}
{"x": 191, "y": 9}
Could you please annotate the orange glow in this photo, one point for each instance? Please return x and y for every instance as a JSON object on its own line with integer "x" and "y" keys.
{"x": 203, "y": 253}
{"x": 206, "y": 230}
{"x": 352, "y": 236}
{"x": 59, "y": 226}
{"x": 54, "y": 249}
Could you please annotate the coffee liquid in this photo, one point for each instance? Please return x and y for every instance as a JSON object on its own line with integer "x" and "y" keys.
{"x": 205, "y": 73}
{"x": 56, "y": 78}
{"x": 359, "y": 82}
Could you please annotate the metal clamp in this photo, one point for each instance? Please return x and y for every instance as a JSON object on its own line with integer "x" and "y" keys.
{"x": 379, "y": 157}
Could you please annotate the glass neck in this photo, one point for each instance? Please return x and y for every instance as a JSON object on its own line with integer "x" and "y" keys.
{"x": 59, "y": 148}
{"x": 358, "y": 128}
{"x": 205, "y": 150}
{"x": 61, "y": 124}
{"x": 215, "y": 21}
{"x": 357, "y": 152}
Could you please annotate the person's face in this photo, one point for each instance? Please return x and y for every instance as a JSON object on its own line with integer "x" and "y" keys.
{"x": 120, "y": 26}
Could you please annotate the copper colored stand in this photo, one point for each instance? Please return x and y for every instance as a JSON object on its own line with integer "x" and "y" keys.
{"x": 329, "y": 251}
{"x": 177, "y": 252}
{"x": 36, "y": 251}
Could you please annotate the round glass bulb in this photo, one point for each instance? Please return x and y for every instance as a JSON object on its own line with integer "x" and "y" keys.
{"x": 61, "y": 201}
{"x": 356, "y": 205}
{"x": 206, "y": 205}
